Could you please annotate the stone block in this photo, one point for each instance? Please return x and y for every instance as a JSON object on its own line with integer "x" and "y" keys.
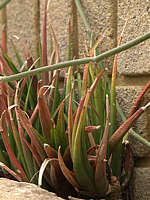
{"x": 141, "y": 184}
{"x": 135, "y": 60}
{"x": 102, "y": 16}
{"x": 59, "y": 18}
{"x": 126, "y": 97}
{"x": 12, "y": 190}
{"x": 19, "y": 23}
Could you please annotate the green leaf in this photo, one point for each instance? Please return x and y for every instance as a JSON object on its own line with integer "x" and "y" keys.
{"x": 29, "y": 129}
{"x": 101, "y": 181}
{"x": 67, "y": 173}
{"x": 12, "y": 156}
{"x": 81, "y": 166}
{"x": 4, "y": 3}
{"x": 45, "y": 116}
{"x": 60, "y": 128}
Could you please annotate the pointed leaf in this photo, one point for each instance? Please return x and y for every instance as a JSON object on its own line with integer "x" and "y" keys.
{"x": 51, "y": 153}
{"x": 29, "y": 129}
{"x": 67, "y": 173}
{"x": 81, "y": 166}
{"x": 70, "y": 121}
{"x": 12, "y": 156}
{"x": 15, "y": 175}
{"x": 121, "y": 131}
{"x": 45, "y": 75}
{"x": 34, "y": 153}
{"x": 136, "y": 103}
{"x": 101, "y": 181}
{"x": 45, "y": 116}
{"x": 60, "y": 128}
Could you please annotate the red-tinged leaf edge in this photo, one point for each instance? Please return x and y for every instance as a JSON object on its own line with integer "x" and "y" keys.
{"x": 6, "y": 69}
{"x": 89, "y": 129}
{"x": 45, "y": 75}
{"x": 29, "y": 129}
{"x": 15, "y": 175}
{"x": 3, "y": 40}
{"x": 128, "y": 166}
{"x": 11, "y": 154}
{"x": 55, "y": 43}
{"x": 50, "y": 151}
{"x": 70, "y": 120}
{"x": 101, "y": 182}
{"x": 67, "y": 173}
{"x": 27, "y": 53}
{"x": 34, "y": 153}
{"x": 86, "y": 68}
{"x": 121, "y": 131}
{"x": 45, "y": 117}
{"x": 136, "y": 103}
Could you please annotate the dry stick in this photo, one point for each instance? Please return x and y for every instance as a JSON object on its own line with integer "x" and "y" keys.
{"x": 77, "y": 61}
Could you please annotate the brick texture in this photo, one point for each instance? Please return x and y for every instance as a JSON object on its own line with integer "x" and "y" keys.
{"x": 136, "y": 60}
{"x": 19, "y": 16}
{"x": 126, "y": 97}
{"x": 101, "y": 16}
{"x": 141, "y": 184}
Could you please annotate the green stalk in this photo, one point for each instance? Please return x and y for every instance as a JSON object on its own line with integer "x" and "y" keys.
{"x": 113, "y": 91}
{"x": 28, "y": 96}
{"x": 78, "y": 61}
{"x": 81, "y": 12}
{"x": 4, "y": 3}
{"x": 132, "y": 132}
{"x": 82, "y": 169}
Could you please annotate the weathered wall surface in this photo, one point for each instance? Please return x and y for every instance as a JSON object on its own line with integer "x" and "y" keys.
{"x": 19, "y": 15}
{"x": 133, "y": 64}
{"x": 102, "y": 17}
{"x": 134, "y": 71}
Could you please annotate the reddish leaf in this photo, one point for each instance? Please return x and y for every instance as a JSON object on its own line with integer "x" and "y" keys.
{"x": 34, "y": 153}
{"x": 70, "y": 121}
{"x": 101, "y": 182}
{"x": 55, "y": 43}
{"x": 89, "y": 129}
{"x": 128, "y": 166}
{"x": 45, "y": 75}
{"x": 3, "y": 40}
{"x": 122, "y": 130}
{"x": 52, "y": 57}
{"x": 29, "y": 129}
{"x": 6, "y": 68}
{"x": 45, "y": 116}
{"x": 86, "y": 68}
{"x": 51, "y": 153}
{"x": 67, "y": 173}
{"x": 12, "y": 156}
{"x": 15, "y": 175}
{"x": 136, "y": 103}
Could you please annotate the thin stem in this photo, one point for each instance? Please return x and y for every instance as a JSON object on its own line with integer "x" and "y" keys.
{"x": 36, "y": 28}
{"x": 139, "y": 138}
{"x": 4, "y": 3}
{"x": 132, "y": 132}
{"x": 77, "y": 61}
{"x": 81, "y": 12}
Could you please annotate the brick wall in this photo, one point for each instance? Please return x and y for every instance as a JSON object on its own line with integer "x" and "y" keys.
{"x": 133, "y": 64}
{"x": 134, "y": 70}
